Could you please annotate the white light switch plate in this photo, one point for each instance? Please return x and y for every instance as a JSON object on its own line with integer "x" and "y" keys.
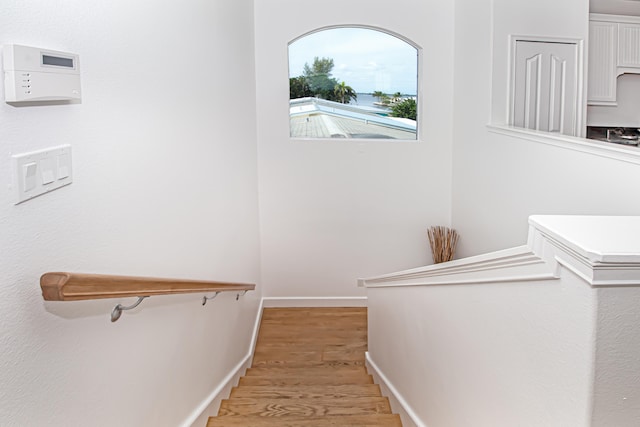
{"x": 40, "y": 172}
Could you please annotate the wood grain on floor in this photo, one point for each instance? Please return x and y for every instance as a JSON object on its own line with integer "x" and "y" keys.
{"x": 308, "y": 370}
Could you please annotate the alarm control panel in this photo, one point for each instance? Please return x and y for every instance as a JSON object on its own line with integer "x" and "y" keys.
{"x": 35, "y": 74}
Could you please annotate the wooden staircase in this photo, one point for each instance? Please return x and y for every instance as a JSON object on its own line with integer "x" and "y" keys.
{"x": 308, "y": 370}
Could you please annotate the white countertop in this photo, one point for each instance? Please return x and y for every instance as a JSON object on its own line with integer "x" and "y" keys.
{"x": 600, "y": 239}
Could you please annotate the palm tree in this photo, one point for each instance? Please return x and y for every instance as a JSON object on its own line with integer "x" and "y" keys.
{"x": 377, "y": 94}
{"x": 344, "y": 93}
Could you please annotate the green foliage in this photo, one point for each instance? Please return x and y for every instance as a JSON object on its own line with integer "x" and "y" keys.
{"x": 316, "y": 80}
{"x": 406, "y": 108}
{"x": 299, "y": 88}
{"x": 318, "y": 77}
{"x": 320, "y": 66}
{"x": 344, "y": 93}
{"x": 323, "y": 86}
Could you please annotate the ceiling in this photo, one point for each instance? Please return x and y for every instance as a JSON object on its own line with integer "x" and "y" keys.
{"x": 615, "y": 7}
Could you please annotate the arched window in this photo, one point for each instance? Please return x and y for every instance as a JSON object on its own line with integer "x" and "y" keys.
{"x": 353, "y": 82}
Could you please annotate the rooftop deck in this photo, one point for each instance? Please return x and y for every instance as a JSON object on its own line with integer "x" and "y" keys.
{"x": 316, "y": 118}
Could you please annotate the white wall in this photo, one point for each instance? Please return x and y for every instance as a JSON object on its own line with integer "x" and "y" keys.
{"x": 332, "y": 211}
{"x": 498, "y": 181}
{"x": 487, "y": 355}
{"x": 165, "y": 184}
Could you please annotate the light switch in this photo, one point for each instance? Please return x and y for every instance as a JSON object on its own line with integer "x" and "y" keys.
{"x": 64, "y": 165}
{"x": 29, "y": 176}
{"x": 40, "y": 172}
{"x": 47, "y": 170}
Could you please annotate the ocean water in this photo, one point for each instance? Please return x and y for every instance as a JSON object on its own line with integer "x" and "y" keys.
{"x": 366, "y": 100}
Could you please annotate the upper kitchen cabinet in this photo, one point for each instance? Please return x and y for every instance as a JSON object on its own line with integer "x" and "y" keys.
{"x": 629, "y": 45}
{"x": 614, "y": 49}
{"x": 603, "y": 41}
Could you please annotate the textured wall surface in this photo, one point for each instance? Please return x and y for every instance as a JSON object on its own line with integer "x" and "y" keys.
{"x": 164, "y": 155}
{"x": 616, "y": 391}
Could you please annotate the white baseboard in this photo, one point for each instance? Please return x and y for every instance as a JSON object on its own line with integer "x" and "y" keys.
{"x": 283, "y": 302}
{"x": 209, "y": 406}
{"x": 398, "y": 403}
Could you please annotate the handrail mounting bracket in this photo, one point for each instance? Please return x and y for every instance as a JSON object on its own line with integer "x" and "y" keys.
{"x": 118, "y": 309}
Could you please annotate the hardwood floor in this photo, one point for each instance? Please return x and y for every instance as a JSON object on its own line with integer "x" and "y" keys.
{"x": 308, "y": 370}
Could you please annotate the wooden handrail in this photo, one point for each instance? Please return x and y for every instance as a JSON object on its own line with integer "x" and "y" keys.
{"x": 64, "y": 286}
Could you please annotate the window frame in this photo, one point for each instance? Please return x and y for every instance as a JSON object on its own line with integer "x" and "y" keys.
{"x": 419, "y": 67}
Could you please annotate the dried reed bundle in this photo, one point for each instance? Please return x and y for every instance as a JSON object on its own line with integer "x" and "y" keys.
{"x": 443, "y": 243}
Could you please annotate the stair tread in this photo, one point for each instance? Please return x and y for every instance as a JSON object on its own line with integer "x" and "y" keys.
{"x": 305, "y": 407}
{"x": 302, "y": 364}
{"x": 311, "y": 346}
{"x": 309, "y": 380}
{"x": 311, "y": 312}
{"x": 285, "y": 334}
{"x": 284, "y": 357}
{"x": 379, "y": 420}
{"x": 306, "y": 391}
{"x": 306, "y": 370}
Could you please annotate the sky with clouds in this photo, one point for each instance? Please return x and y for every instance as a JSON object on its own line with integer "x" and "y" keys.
{"x": 367, "y": 60}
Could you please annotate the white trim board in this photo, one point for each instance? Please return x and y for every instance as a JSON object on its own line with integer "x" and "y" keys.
{"x": 589, "y": 146}
{"x": 398, "y": 403}
{"x": 211, "y": 404}
{"x": 519, "y": 264}
{"x": 283, "y": 302}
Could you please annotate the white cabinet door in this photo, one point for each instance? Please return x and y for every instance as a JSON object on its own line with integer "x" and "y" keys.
{"x": 545, "y": 87}
{"x": 603, "y": 42}
{"x": 629, "y": 45}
